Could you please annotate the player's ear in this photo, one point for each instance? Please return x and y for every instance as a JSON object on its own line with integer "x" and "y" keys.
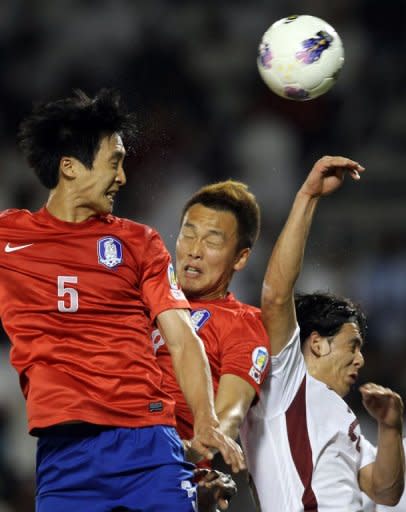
{"x": 318, "y": 345}
{"x": 241, "y": 259}
{"x": 68, "y": 167}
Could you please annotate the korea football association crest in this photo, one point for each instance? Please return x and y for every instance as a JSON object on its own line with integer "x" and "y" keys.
{"x": 110, "y": 252}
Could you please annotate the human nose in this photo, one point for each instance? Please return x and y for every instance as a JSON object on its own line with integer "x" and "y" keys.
{"x": 195, "y": 248}
{"x": 121, "y": 178}
{"x": 359, "y": 360}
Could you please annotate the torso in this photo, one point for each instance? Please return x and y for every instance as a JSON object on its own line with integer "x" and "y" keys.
{"x": 303, "y": 444}
{"x": 76, "y": 301}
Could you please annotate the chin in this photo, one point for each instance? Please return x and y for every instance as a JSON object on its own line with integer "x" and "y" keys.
{"x": 105, "y": 209}
{"x": 191, "y": 292}
{"x": 344, "y": 392}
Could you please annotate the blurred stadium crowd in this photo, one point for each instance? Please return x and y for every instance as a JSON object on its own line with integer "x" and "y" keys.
{"x": 189, "y": 69}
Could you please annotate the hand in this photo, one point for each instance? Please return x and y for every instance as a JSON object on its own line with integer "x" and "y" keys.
{"x": 328, "y": 173}
{"x": 191, "y": 455}
{"x": 383, "y": 404}
{"x": 209, "y": 439}
{"x": 214, "y": 489}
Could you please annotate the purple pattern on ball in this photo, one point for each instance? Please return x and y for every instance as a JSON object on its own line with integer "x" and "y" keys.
{"x": 296, "y": 93}
{"x": 314, "y": 47}
{"x": 265, "y": 55}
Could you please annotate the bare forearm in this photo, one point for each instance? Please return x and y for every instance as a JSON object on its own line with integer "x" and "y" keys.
{"x": 287, "y": 256}
{"x": 230, "y": 422}
{"x": 193, "y": 374}
{"x": 389, "y": 468}
{"x": 233, "y": 399}
{"x": 189, "y": 362}
{"x": 277, "y": 301}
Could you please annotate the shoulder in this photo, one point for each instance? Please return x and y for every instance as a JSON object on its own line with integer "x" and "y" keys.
{"x": 290, "y": 359}
{"x": 321, "y": 387}
{"x": 230, "y": 315}
{"x": 135, "y": 230}
{"x": 249, "y": 313}
{"x": 131, "y": 226}
{"x": 14, "y": 216}
{"x": 240, "y": 311}
{"x": 340, "y": 414}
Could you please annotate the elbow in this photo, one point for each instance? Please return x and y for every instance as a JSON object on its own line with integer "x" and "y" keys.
{"x": 272, "y": 304}
{"x": 397, "y": 494}
{"x": 388, "y": 501}
{"x": 271, "y": 298}
{"x": 391, "y": 497}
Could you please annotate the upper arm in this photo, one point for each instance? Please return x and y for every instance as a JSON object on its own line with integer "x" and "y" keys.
{"x": 279, "y": 318}
{"x": 234, "y": 397}
{"x": 157, "y": 280}
{"x": 365, "y": 480}
{"x": 176, "y": 327}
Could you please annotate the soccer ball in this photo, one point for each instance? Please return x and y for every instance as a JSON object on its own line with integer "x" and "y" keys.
{"x": 299, "y": 57}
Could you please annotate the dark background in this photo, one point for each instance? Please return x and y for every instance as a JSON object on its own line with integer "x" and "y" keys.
{"x": 189, "y": 69}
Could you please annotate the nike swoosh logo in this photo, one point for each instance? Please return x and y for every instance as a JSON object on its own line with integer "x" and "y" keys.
{"x": 9, "y": 248}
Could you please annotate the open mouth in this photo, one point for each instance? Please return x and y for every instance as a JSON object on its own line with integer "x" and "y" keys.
{"x": 192, "y": 271}
{"x": 111, "y": 196}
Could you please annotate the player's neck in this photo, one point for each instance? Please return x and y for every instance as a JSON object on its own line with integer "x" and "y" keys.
{"x": 218, "y": 295}
{"x": 65, "y": 209}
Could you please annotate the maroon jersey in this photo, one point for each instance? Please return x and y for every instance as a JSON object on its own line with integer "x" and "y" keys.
{"x": 236, "y": 343}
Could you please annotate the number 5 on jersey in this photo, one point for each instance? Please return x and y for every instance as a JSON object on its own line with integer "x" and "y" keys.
{"x": 70, "y": 300}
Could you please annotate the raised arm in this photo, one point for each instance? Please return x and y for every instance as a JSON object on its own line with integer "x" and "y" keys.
{"x": 193, "y": 374}
{"x": 285, "y": 263}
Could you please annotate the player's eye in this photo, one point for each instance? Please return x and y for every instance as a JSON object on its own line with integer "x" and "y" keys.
{"x": 189, "y": 235}
{"x": 354, "y": 346}
{"x": 214, "y": 242}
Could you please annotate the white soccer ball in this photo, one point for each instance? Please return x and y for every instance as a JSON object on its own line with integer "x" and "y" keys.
{"x": 299, "y": 57}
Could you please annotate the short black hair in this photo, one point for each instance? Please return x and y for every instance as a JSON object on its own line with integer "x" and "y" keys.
{"x": 72, "y": 126}
{"x": 326, "y": 313}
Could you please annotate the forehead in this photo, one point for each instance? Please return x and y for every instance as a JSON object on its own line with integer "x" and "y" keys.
{"x": 202, "y": 218}
{"x": 349, "y": 332}
{"x": 111, "y": 144}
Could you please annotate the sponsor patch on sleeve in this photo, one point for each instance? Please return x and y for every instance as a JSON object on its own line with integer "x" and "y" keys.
{"x": 260, "y": 358}
{"x": 178, "y": 295}
{"x": 176, "y": 292}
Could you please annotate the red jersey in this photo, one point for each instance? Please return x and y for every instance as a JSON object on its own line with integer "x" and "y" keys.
{"x": 236, "y": 343}
{"x": 77, "y": 301}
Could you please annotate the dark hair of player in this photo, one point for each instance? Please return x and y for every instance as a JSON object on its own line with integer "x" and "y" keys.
{"x": 231, "y": 196}
{"x": 72, "y": 127}
{"x": 325, "y": 313}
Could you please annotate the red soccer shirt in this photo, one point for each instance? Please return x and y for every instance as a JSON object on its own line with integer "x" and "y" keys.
{"x": 77, "y": 301}
{"x": 236, "y": 343}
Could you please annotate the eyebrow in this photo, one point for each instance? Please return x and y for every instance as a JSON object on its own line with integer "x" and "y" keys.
{"x": 118, "y": 154}
{"x": 358, "y": 340}
{"x": 189, "y": 225}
